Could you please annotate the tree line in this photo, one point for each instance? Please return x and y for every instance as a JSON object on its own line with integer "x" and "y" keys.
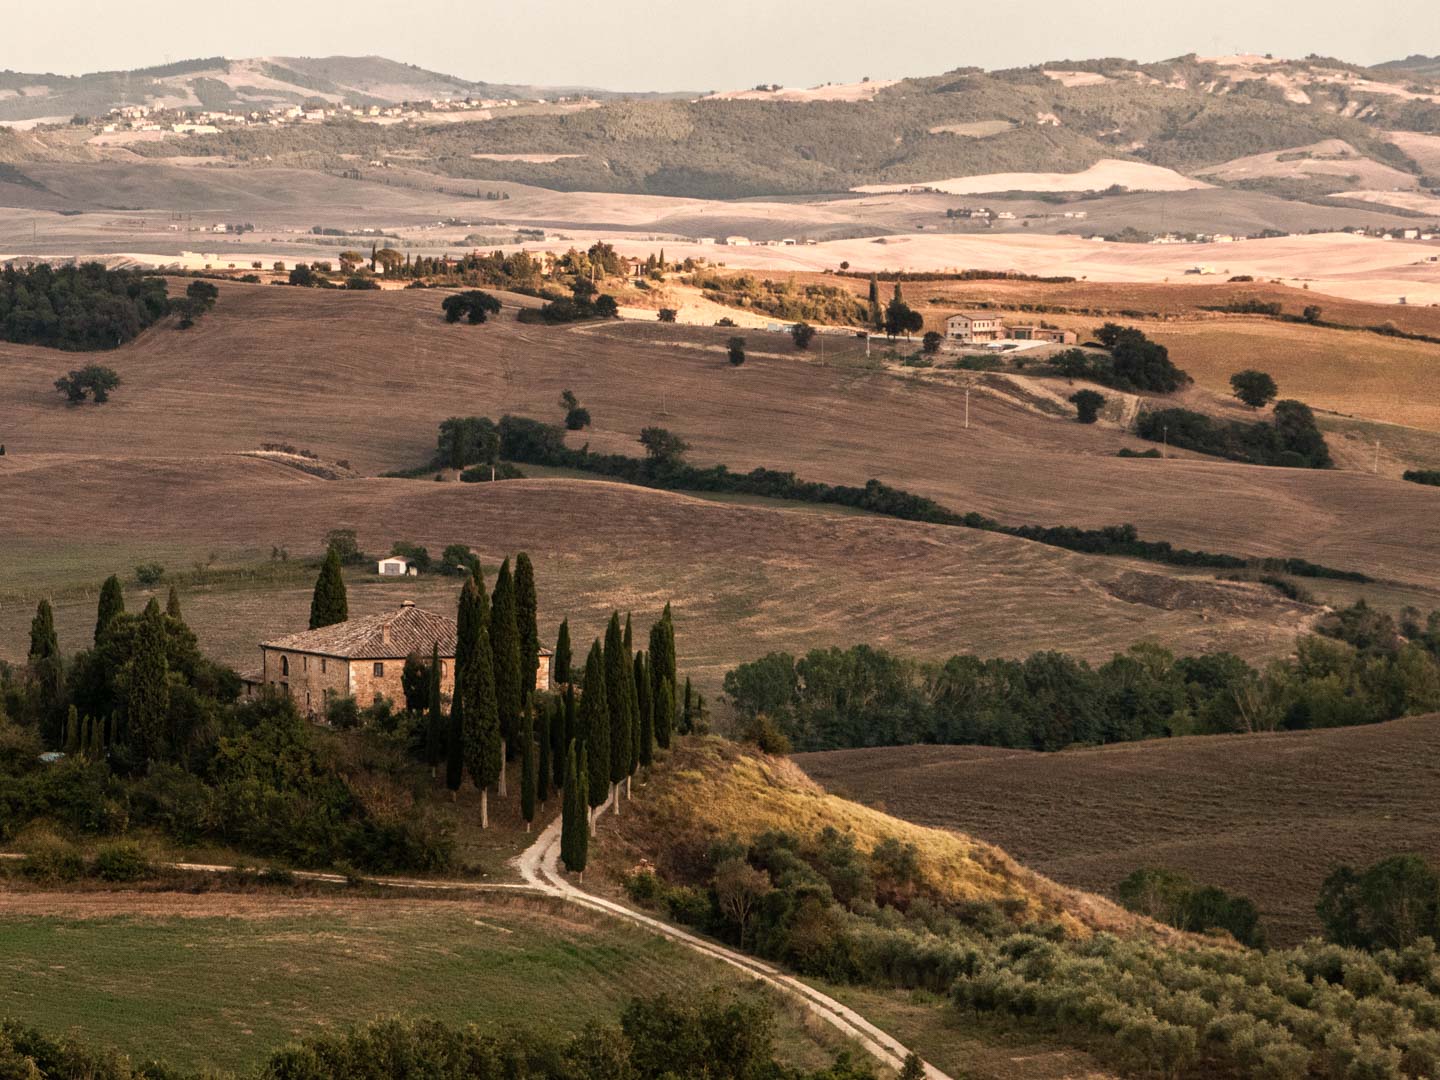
{"x": 1290, "y": 439}
{"x": 715, "y": 1036}
{"x": 533, "y": 442}
{"x": 1361, "y": 669}
{"x": 78, "y": 308}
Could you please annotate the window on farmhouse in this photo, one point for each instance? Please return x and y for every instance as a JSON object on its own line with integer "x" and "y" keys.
{"x": 284, "y": 665}
{"x": 379, "y": 669}
{"x": 322, "y": 665}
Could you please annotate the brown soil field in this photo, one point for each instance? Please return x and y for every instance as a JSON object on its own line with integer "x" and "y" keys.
{"x": 1267, "y": 815}
{"x": 743, "y": 579}
{"x": 366, "y": 377}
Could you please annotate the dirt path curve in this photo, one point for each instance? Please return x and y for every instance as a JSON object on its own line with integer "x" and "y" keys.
{"x": 539, "y": 866}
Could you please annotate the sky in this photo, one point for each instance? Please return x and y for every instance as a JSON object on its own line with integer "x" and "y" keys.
{"x": 703, "y": 44}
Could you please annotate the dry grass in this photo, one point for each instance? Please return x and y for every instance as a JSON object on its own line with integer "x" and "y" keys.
{"x": 1267, "y": 816}
{"x": 711, "y": 789}
{"x": 743, "y": 579}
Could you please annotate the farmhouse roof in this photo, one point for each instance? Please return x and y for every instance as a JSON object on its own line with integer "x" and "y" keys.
{"x": 387, "y": 636}
{"x": 973, "y": 315}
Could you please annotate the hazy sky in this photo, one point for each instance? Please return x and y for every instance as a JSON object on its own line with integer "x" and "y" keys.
{"x": 702, "y": 44}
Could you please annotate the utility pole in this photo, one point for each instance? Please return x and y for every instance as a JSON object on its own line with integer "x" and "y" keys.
{"x": 1377, "y": 457}
{"x": 1166, "y": 434}
{"x": 967, "y": 406}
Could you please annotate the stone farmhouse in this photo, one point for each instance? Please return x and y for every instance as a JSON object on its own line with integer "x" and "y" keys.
{"x": 981, "y": 327}
{"x": 363, "y": 658}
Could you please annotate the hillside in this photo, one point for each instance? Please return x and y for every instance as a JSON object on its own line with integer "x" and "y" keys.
{"x": 1182, "y": 115}
{"x": 1263, "y": 815}
{"x": 242, "y": 376}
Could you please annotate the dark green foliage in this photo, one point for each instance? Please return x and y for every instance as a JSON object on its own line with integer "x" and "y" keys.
{"x": 148, "y": 687}
{"x": 415, "y": 684}
{"x": 1290, "y": 439}
{"x": 467, "y": 440}
{"x": 544, "y": 748}
{"x": 1254, "y": 388}
{"x": 932, "y": 341}
{"x": 576, "y": 416}
{"x": 44, "y": 645}
{"x": 645, "y": 701}
{"x": 901, "y": 318}
{"x": 592, "y": 725}
{"x": 1390, "y": 905}
{"x": 505, "y": 646}
{"x": 802, "y": 333}
{"x": 112, "y": 603}
{"x": 436, "y": 729}
{"x": 527, "y": 622}
{"x": 1135, "y": 362}
{"x": 664, "y": 713}
{"x": 418, "y": 555}
{"x": 458, "y": 559}
{"x": 527, "y": 769}
{"x": 575, "y": 814}
{"x": 92, "y": 381}
{"x": 475, "y": 689}
{"x": 474, "y": 306}
{"x": 343, "y": 543}
{"x": 662, "y": 447}
{"x": 1087, "y": 405}
{"x": 78, "y": 308}
{"x": 172, "y": 604}
{"x": 619, "y": 677}
{"x": 560, "y": 662}
{"x": 833, "y": 698}
{"x": 735, "y": 350}
{"x": 1171, "y": 897}
{"x": 1423, "y": 476}
{"x": 329, "y": 605}
{"x": 562, "y": 732}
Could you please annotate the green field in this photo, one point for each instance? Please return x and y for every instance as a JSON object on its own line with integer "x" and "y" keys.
{"x": 221, "y": 980}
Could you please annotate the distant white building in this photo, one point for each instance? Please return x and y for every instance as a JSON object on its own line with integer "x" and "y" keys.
{"x": 737, "y": 241}
{"x": 396, "y": 566}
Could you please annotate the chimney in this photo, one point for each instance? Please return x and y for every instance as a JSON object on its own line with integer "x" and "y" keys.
{"x": 407, "y": 603}
{"x": 385, "y": 632}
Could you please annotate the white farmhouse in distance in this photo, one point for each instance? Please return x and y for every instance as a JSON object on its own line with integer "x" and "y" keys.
{"x": 395, "y": 566}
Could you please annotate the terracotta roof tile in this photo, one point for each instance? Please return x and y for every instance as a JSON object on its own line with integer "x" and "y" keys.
{"x": 390, "y": 635}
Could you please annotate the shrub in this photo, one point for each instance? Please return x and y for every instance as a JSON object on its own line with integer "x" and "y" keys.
{"x": 802, "y": 333}
{"x": 149, "y": 573}
{"x": 1087, "y": 405}
{"x": 121, "y": 862}
{"x": 51, "y": 859}
{"x": 667, "y": 314}
{"x": 932, "y": 341}
{"x": 342, "y": 712}
{"x": 736, "y": 350}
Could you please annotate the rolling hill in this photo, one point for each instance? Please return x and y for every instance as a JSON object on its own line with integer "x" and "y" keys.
{"x": 1264, "y": 815}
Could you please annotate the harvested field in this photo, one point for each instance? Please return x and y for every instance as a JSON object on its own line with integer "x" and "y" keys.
{"x": 221, "y": 981}
{"x": 1265, "y": 815}
{"x": 744, "y": 579}
{"x": 1135, "y": 175}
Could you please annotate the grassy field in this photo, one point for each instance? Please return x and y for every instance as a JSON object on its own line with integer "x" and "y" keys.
{"x": 1267, "y": 816}
{"x": 221, "y": 980}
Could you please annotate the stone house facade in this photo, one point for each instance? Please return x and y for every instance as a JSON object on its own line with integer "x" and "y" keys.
{"x": 363, "y": 658}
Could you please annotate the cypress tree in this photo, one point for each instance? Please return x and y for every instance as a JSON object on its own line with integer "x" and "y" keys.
{"x": 574, "y": 822}
{"x": 329, "y": 605}
{"x": 662, "y": 670}
{"x": 592, "y": 723}
{"x": 646, "y": 728}
{"x": 629, "y": 640}
{"x": 72, "y": 732}
{"x": 618, "y": 674}
{"x": 112, "y": 603}
{"x": 505, "y": 647}
{"x": 527, "y": 772}
{"x": 172, "y": 605}
{"x": 97, "y": 738}
{"x": 543, "y": 766}
{"x": 560, "y": 662}
{"x": 687, "y": 713}
{"x": 466, "y": 642}
{"x": 475, "y": 692}
{"x": 664, "y": 709}
{"x": 82, "y": 746}
{"x": 561, "y": 733}
{"x": 571, "y": 725}
{"x": 149, "y": 689}
{"x": 434, "y": 719}
{"x": 528, "y": 626}
{"x": 43, "y": 643}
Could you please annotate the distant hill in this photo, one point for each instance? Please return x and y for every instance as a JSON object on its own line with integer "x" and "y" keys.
{"x": 1415, "y": 65}
{"x": 217, "y": 83}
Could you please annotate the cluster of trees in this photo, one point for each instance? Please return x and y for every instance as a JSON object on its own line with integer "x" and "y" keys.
{"x": 78, "y": 308}
{"x": 1359, "y": 673}
{"x": 1135, "y": 362}
{"x": 577, "y": 417}
{"x": 1171, "y": 897}
{"x": 714, "y": 1036}
{"x": 823, "y": 906}
{"x": 1423, "y": 476}
{"x": 91, "y": 382}
{"x": 1392, "y": 904}
{"x": 782, "y": 299}
{"x": 473, "y": 305}
{"x": 160, "y": 739}
{"x": 1290, "y": 438}
{"x": 585, "y": 302}
{"x": 525, "y": 440}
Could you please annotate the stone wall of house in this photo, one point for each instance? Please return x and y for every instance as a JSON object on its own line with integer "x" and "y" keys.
{"x": 366, "y": 685}
{"x": 310, "y": 679}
